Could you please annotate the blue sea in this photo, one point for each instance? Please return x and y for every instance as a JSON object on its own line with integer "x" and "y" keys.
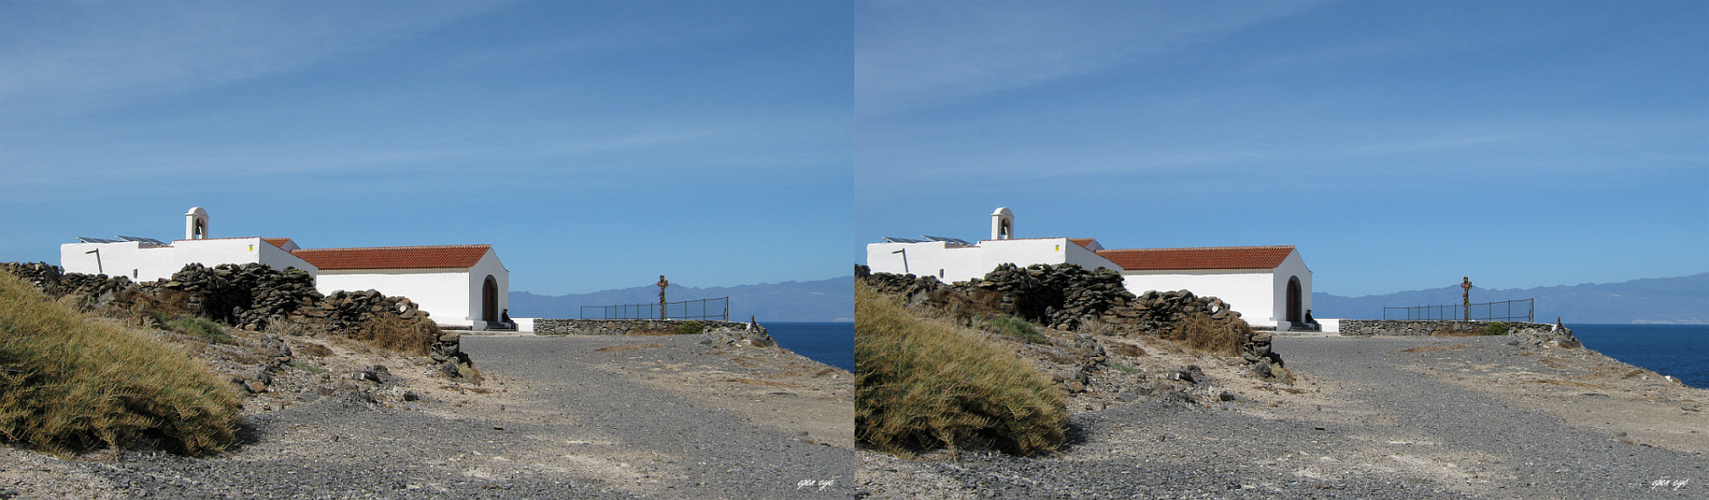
{"x": 828, "y": 343}
{"x": 1678, "y": 350}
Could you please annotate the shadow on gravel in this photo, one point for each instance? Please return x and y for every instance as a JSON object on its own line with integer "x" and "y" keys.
{"x": 250, "y": 431}
{"x": 254, "y": 429}
{"x": 1076, "y": 435}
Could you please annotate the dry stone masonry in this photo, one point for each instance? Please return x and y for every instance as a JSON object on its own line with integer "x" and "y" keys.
{"x": 1532, "y": 334}
{"x": 727, "y": 332}
{"x": 254, "y": 297}
{"x": 1070, "y": 298}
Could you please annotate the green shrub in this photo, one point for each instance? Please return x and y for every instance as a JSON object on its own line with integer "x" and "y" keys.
{"x": 926, "y": 384}
{"x": 307, "y": 367}
{"x": 70, "y": 384}
{"x": 690, "y": 328}
{"x": 1495, "y": 328}
{"x": 1122, "y": 367}
{"x": 1012, "y": 326}
{"x": 158, "y": 319}
{"x": 205, "y": 328}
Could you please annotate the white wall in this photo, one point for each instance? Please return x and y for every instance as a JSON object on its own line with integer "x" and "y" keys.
{"x": 1292, "y": 266}
{"x": 1259, "y": 295}
{"x": 932, "y": 258}
{"x": 141, "y": 263}
{"x": 489, "y": 265}
{"x": 443, "y": 293}
{"x": 956, "y": 263}
{"x": 1248, "y": 292}
{"x": 450, "y": 296}
{"x": 1089, "y": 259}
{"x": 279, "y": 258}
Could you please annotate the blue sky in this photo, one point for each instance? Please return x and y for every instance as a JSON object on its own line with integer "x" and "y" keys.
{"x": 596, "y": 145}
{"x": 1398, "y": 145}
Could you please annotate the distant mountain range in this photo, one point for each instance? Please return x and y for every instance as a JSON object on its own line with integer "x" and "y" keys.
{"x": 790, "y": 301}
{"x": 1683, "y": 300}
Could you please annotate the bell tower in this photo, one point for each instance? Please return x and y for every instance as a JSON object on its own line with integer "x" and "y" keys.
{"x": 1002, "y": 224}
{"x": 196, "y": 224}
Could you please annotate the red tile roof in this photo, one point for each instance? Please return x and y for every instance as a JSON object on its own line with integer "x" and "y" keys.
{"x": 1082, "y": 241}
{"x": 1152, "y": 259}
{"x": 428, "y": 257}
{"x": 278, "y": 242}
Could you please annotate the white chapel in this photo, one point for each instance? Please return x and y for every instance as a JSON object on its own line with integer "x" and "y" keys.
{"x": 458, "y": 285}
{"x": 1270, "y": 286}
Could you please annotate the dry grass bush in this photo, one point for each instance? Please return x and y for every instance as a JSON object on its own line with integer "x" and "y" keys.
{"x": 206, "y": 329}
{"x": 926, "y": 384}
{"x": 1011, "y": 326}
{"x": 68, "y": 383}
{"x": 1128, "y": 350}
{"x": 313, "y": 349}
{"x": 385, "y": 331}
{"x": 291, "y": 328}
{"x": 1097, "y": 326}
{"x": 1210, "y": 336}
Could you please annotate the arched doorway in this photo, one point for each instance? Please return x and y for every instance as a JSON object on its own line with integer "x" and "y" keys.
{"x": 1295, "y": 302}
{"x": 489, "y": 300}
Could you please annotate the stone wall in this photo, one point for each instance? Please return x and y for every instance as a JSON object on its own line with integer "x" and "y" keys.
{"x": 1528, "y": 333}
{"x": 543, "y": 326}
{"x": 1068, "y": 297}
{"x": 1403, "y": 328}
{"x": 253, "y": 297}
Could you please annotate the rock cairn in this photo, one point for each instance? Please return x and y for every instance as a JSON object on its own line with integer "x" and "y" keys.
{"x": 749, "y": 335}
{"x": 43, "y": 276}
{"x": 97, "y": 289}
{"x": 370, "y": 316}
{"x": 1070, "y": 298}
{"x": 1544, "y": 335}
{"x": 254, "y": 297}
{"x": 1160, "y": 310}
{"x": 248, "y": 296}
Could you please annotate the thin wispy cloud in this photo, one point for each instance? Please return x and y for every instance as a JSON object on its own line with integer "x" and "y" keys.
{"x": 915, "y": 54}
{"x": 122, "y": 51}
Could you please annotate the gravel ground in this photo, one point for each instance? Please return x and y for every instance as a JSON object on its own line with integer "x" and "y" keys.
{"x": 696, "y": 450}
{"x": 1369, "y": 420}
{"x": 546, "y": 424}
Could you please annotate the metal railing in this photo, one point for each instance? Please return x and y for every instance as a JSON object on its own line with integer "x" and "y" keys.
{"x": 1488, "y": 311}
{"x": 718, "y": 309}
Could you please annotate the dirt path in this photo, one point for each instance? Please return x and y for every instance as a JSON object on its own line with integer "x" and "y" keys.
{"x": 555, "y": 418}
{"x": 698, "y": 421}
{"x": 1367, "y": 418}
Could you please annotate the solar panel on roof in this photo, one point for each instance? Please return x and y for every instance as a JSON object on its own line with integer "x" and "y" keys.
{"x": 893, "y": 239}
{"x": 139, "y": 239}
{"x": 957, "y": 241}
{"x": 86, "y": 239}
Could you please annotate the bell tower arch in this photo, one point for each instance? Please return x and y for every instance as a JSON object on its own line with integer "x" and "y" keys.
{"x": 1002, "y": 224}
{"x": 196, "y": 224}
